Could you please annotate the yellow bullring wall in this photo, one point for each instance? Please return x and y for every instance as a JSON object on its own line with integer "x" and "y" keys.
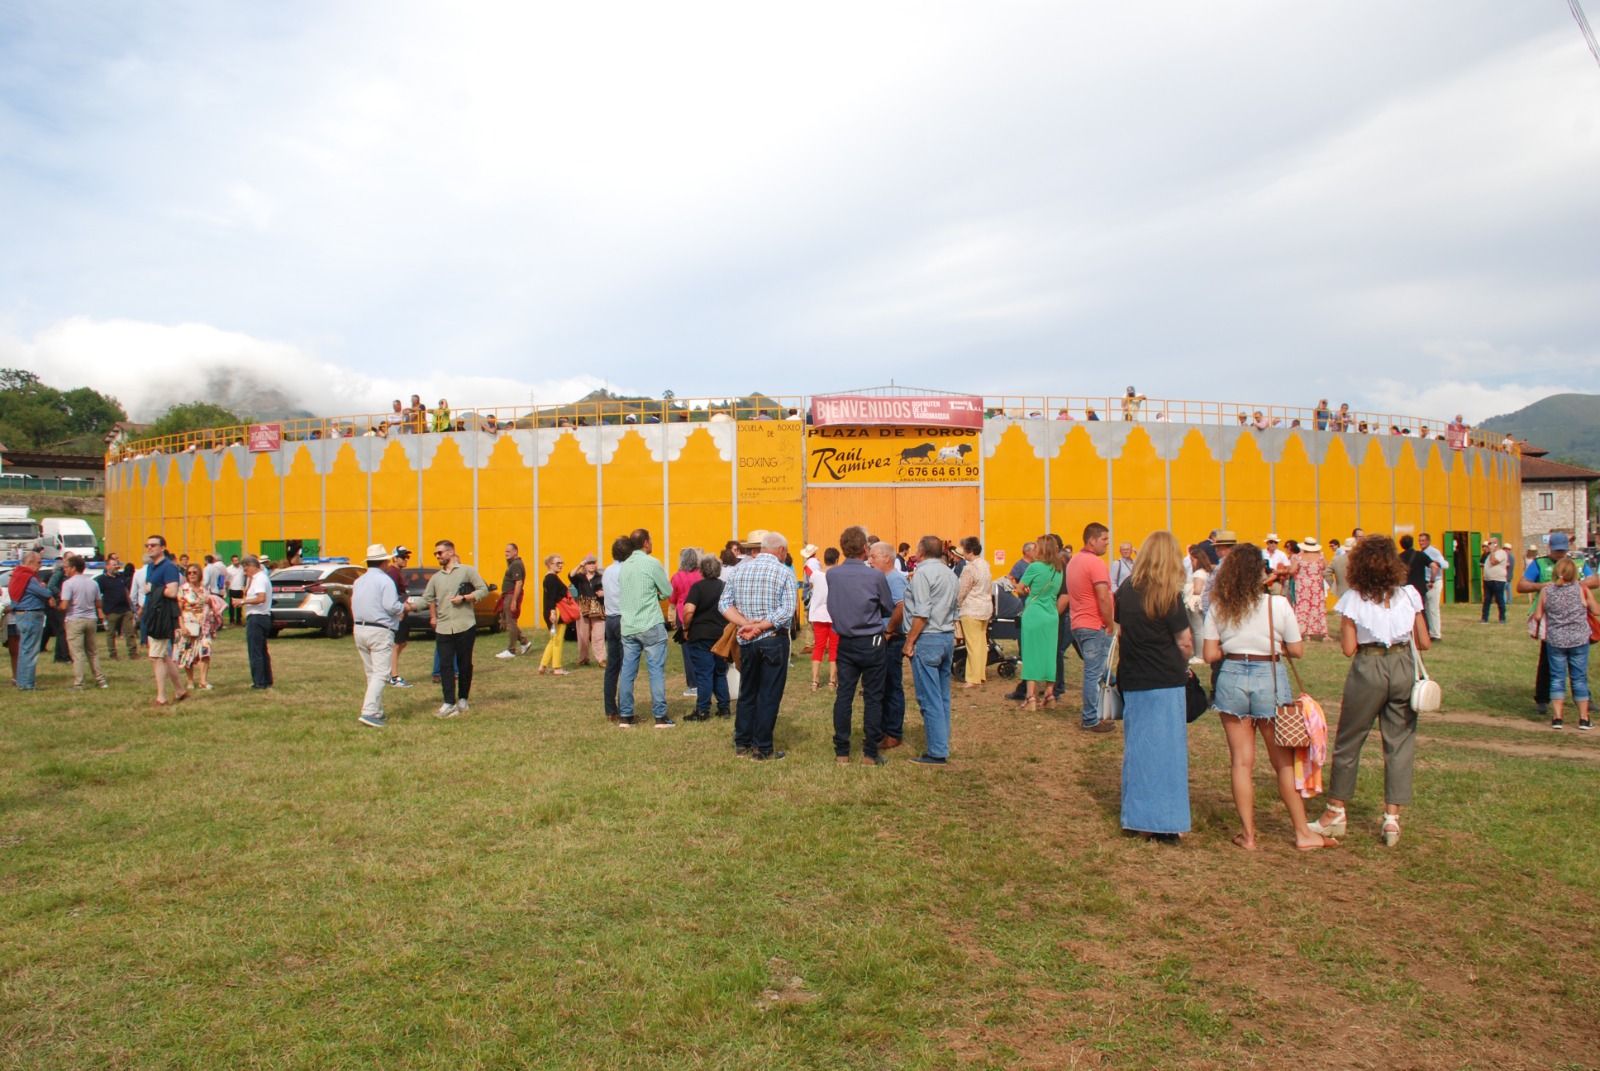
{"x": 568, "y": 491}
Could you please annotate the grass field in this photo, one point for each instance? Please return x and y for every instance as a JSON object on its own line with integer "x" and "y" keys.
{"x": 257, "y": 881}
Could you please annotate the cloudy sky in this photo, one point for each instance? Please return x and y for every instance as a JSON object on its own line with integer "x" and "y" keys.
{"x": 1388, "y": 204}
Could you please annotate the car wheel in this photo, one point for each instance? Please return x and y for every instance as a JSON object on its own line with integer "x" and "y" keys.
{"x": 338, "y": 626}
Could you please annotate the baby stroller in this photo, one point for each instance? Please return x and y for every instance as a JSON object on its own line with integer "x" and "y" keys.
{"x": 1003, "y": 624}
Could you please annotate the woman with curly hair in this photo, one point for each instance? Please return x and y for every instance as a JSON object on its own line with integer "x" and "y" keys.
{"x": 1381, "y": 626}
{"x": 1244, "y": 626}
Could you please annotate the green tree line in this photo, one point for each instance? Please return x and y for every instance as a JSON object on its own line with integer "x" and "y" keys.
{"x": 34, "y": 416}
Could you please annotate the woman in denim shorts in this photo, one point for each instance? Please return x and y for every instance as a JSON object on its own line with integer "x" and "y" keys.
{"x": 1250, "y": 686}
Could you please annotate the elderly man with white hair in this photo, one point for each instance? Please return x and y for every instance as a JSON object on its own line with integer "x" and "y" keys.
{"x": 376, "y": 607}
{"x": 759, "y": 598}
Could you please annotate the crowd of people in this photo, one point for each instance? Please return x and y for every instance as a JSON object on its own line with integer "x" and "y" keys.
{"x": 1141, "y": 623}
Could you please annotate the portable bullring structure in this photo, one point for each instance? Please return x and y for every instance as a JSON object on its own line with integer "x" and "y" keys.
{"x": 567, "y": 479}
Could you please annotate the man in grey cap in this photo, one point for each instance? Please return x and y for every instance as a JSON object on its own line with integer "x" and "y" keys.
{"x": 376, "y": 608}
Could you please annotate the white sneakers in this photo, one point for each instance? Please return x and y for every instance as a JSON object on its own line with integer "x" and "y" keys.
{"x": 461, "y": 706}
{"x": 506, "y": 654}
{"x": 447, "y": 710}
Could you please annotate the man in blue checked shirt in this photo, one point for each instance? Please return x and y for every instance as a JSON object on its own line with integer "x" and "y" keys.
{"x": 759, "y": 598}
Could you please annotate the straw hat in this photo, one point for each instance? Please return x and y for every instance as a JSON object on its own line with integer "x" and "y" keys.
{"x": 808, "y": 550}
{"x": 1272, "y": 537}
{"x": 377, "y": 552}
{"x": 1308, "y": 543}
{"x": 754, "y": 538}
{"x": 1225, "y": 538}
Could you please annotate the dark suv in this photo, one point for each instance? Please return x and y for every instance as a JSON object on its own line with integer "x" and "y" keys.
{"x": 417, "y": 581}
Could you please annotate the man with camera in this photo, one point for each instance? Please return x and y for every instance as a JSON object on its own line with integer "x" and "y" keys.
{"x": 450, "y": 595}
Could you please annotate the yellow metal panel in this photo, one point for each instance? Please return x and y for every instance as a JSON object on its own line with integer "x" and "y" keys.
{"x": 1408, "y": 515}
{"x": 1436, "y": 493}
{"x": 174, "y": 507}
{"x": 1078, "y": 488}
{"x": 949, "y": 513}
{"x": 1196, "y": 490}
{"x": 833, "y": 509}
{"x": 302, "y": 499}
{"x": 701, "y": 482}
{"x": 227, "y": 495}
{"x": 447, "y": 504}
{"x": 1295, "y": 484}
{"x": 1139, "y": 492}
{"x": 631, "y": 494}
{"x": 1338, "y": 481}
{"x": 1247, "y": 489}
{"x": 197, "y": 534}
{"x": 346, "y": 528}
{"x": 394, "y": 504}
{"x": 567, "y": 504}
{"x": 1013, "y": 493}
{"x": 1376, "y": 481}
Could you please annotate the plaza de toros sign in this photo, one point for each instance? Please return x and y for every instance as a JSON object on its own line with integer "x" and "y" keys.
{"x": 892, "y": 455}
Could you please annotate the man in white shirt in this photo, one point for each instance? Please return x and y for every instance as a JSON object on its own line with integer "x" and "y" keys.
{"x": 235, "y": 582}
{"x": 1277, "y": 561}
{"x": 257, "y": 606}
{"x": 1436, "y": 566}
{"x": 1122, "y": 568}
{"x": 376, "y": 608}
{"x": 1496, "y": 570}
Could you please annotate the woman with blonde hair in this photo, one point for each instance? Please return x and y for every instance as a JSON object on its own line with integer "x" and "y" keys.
{"x": 975, "y": 603}
{"x": 1245, "y": 627}
{"x": 1381, "y": 627}
{"x": 1154, "y": 644}
{"x": 1564, "y": 607}
{"x": 196, "y": 628}
{"x": 555, "y": 589}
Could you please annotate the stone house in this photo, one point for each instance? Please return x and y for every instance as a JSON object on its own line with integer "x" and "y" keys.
{"x": 1555, "y": 498}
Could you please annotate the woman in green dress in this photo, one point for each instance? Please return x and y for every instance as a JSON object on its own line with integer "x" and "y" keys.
{"x": 1040, "y": 585}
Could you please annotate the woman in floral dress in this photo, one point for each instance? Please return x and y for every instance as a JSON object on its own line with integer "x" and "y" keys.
{"x": 192, "y": 651}
{"x": 1311, "y": 590}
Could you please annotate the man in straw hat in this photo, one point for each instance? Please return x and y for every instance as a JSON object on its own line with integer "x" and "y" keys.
{"x": 376, "y": 608}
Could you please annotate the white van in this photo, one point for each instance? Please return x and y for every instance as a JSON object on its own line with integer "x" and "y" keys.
{"x": 67, "y": 535}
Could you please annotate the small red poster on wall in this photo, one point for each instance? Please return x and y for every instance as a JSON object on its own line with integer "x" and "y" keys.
{"x": 265, "y": 437}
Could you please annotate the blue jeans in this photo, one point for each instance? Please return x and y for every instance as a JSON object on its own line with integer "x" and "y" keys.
{"x": 1570, "y": 662}
{"x": 1494, "y": 593}
{"x": 30, "y": 630}
{"x": 763, "y": 671}
{"x": 1095, "y": 646}
{"x": 930, "y": 676}
{"x": 652, "y": 644}
{"x": 708, "y": 673}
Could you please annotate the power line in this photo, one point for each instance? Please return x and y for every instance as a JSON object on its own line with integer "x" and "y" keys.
{"x": 1583, "y": 26}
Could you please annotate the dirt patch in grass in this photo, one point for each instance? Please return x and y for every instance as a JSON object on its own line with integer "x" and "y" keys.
{"x": 1520, "y": 748}
{"x": 1242, "y": 960}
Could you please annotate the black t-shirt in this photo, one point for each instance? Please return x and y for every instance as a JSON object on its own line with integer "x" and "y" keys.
{"x": 708, "y": 621}
{"x": 1148, "y": 655}
{"x": 555, "y": 589}
{"x": 1417, "y": 571}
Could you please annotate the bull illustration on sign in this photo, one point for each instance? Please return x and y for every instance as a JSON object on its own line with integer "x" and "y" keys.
{"x": 925, "y": 453}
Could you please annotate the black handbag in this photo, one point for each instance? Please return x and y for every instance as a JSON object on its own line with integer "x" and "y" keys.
{"x": 1196, "y": 701}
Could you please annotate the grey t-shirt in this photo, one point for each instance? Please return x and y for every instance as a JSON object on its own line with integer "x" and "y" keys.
{"x": 79, "y": 593}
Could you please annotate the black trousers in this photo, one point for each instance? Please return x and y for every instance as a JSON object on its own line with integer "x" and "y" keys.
{"x": 257, "y": 627}
{"x": 58, "y": 633}
{"x": 1541, "y": 676}
{"x": 613, "y": 663}
{"x": 455, "y": 663}
{"x": 763, "y": 672}
{"x": 860, "y": 659}
{"x": 235, "y": 613}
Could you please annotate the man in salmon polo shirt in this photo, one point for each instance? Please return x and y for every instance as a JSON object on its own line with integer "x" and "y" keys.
{"x": 1089, "y": 606}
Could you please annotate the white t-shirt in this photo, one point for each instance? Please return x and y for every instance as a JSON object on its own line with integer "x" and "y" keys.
{"x": 818, "y": 607}
{"x": 1496, "y": 567}
{"x": 1250, "y": 636}
{"x": 813, "y": 567}
{"x": 1376, "y": 623}
{"x": 139, "y": 588}
{"x": 235, "y": 578}
{"x": 1277, "y": 559}
{"x": 259, "y": 585}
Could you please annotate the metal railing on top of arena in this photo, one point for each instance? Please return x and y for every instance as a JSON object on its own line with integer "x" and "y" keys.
{"x": 619, "y": 411}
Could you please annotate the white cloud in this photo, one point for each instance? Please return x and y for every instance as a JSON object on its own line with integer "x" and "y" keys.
{"x": 1442, "y": 399}
{"x": 148, "y": 367}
